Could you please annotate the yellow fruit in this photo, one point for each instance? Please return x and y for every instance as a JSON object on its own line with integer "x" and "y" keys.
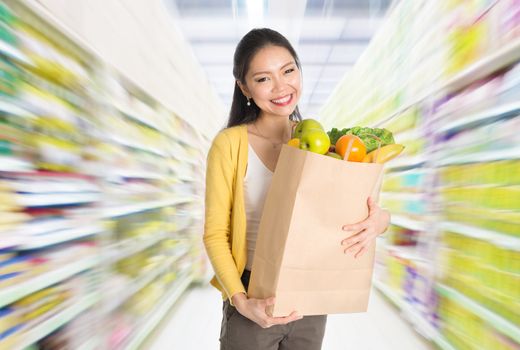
{"x": 386, "y": 153}
{"x": 294, "y": 143}
{"x": 368, "y": 157}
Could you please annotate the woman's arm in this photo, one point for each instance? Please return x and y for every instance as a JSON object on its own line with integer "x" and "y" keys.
{"x": 217, "y": 224}
{"x": 217, "y": 230}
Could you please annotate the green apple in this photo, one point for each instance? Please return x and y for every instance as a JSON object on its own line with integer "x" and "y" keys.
{"x": 304, "y": 125}
{"x": 315, "y": 140}
{"x": 334, "y": 155}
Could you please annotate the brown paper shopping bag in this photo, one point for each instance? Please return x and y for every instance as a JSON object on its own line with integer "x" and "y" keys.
{"x": 299, "y": 258}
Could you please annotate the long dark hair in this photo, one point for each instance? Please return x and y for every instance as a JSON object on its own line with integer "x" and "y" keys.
{"x": 248, "y": 46}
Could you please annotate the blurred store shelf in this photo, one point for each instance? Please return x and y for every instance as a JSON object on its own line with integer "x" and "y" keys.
{"x": 508, "y": 328}
{"x": 496, "y": 238}
{"x": 61, "y": 318}
{"x": 489, "y": 115}
{"x": 156, "y": 315}
{"x": 412, "y": 224}
{"x": 140, "y": 207}
{"x": 58, "y": 236}
{"x": 98, "y": 180}
{"x": 18, "y": 291}
{"x": 448, "y": 261}
{"x": 418, "y": 321}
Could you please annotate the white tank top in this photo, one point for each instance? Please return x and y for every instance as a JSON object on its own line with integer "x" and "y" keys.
{"x": 256, "y": 184}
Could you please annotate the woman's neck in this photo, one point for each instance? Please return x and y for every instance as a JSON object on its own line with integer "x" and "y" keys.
{"x": 274, "y": 127}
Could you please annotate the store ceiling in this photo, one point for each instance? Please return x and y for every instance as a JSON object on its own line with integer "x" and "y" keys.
{"x": 329, "y": 36}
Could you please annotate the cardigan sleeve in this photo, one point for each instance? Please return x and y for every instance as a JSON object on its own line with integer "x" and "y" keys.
{"x": 218, "y": 208}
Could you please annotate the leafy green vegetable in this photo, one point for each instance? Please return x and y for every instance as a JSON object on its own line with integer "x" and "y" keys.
{"x": 335, "y": 134}
{"x": 365, "y": 134}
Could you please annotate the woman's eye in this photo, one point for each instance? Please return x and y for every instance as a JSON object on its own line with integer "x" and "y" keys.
{"x": 290, "y": 70}
{"x": 261, "y": 80}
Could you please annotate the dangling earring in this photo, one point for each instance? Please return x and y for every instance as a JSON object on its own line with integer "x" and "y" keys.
{"x": 248, "y": 102}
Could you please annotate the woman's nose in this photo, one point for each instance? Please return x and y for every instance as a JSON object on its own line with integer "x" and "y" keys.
{"x": 278, "y": 84}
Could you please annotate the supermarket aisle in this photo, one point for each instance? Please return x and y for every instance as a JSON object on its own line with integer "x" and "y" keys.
{"x": 194, "y": 324}
{"x": 103, "y": 146}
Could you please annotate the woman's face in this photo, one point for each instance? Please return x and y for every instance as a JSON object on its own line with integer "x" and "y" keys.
{"x": 273, "y": 81}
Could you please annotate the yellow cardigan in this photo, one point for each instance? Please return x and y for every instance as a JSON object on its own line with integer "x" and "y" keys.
{"x": 225, "y": 216}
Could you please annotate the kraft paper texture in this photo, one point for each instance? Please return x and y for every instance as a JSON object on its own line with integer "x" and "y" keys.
{"x": 299, "y": 258}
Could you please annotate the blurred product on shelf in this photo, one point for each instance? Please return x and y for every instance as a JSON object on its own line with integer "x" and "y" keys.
{"x": 464, "y": 330}
{"x": 99, "y": 189}
{"x": 139, "y": 283}
{"x": 410, "y": 181}
{"x": 101, "y": 184}
{"x": 483, "y": 271}
{"x": 423, "y": 45}
{"x": 449, "y": 90}
{"x": 28, "y": 316}
{"x": 401, "y": 236}
{"x": 73, "y": 335}
{"x": 413, "y": 204}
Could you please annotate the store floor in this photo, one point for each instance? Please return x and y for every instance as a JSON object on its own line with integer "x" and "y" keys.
{"x": 194, "y": 324}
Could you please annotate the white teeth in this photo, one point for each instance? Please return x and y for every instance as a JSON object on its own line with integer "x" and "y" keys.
{"x": 283, "y": 100}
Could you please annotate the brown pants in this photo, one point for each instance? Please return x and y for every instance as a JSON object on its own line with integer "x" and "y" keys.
{"x": 239, "y": 333}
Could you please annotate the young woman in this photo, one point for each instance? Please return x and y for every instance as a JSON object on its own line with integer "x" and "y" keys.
{"x": 240, "y": 165}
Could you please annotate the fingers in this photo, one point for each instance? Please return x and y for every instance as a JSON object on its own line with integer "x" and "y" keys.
{"x": 358, "y": 249}
{"x": 358, "y": 242}
{"x": 272, "y": 321}
{"x": 284, "y": 320}
{"x": 367, "y": 224}
{"x": 360, "y": 252}
{"x": 294, "y": 316}
{"x": 350, "y": 241}
{"x": 269, "y": 301}
{"x": 373, "y": 207}
{"x": 256, "y": 312}
{"x": 371, "y": 203}
{"x": 355, "y": 227}
{"x": 358, "y": 227}
{"x": 354, "y": 247}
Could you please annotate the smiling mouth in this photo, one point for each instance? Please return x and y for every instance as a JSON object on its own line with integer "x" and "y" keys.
{"x": 284, "y": 101}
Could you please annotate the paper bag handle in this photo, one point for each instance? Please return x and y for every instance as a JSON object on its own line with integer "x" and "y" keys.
{"x": 351, "y": 142}
{"x": 378, "y": 146}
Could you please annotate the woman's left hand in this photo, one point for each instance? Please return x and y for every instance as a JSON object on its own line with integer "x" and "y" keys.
{"x": 366, "y": 230}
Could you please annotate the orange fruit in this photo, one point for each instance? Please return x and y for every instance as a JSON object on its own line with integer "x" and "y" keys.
{"x": 358, "y": 150}
{"x": 294, "y": 143}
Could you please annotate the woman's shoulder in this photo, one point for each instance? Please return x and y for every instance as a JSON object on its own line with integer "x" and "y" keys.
{"x": 229, "y": 137}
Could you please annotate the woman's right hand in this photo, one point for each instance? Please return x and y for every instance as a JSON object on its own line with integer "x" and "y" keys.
{"x": 255, "y": 310}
